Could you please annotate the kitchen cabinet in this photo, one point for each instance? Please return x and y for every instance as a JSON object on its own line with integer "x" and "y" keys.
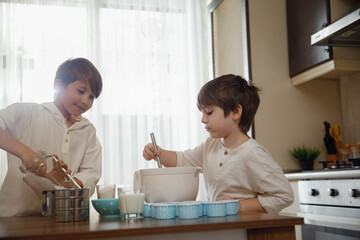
{"x": 303, "y": 19}
{"x": 307, "y": 62}
{"x": 243, "y": 226}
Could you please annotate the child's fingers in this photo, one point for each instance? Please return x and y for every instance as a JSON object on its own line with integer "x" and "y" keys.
{"x": 149, "y": 151}
{"x": 152, "y": 147}
{"x": 147, "y": 154}
{"x": 63, "y": 165}
{"x": 61, "y": 162}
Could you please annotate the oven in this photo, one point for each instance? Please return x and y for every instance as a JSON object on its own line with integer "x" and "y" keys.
{"x": 330, "y": 208}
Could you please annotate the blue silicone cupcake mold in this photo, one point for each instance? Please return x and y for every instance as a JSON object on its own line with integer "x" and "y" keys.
{"x": 191, "y": 209}
{"x": 188, "y": 210}
{"x": 216, "y": 209}
{"x": 232, "y": 207}
{"x": 165, "y": 210}
{"x": 201, "y": 207}
{"x": 176, "y": 208}
{"x": 147, "y": 209}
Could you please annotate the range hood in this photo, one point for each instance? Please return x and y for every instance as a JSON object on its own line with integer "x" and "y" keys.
{"x": 345, "y": 32}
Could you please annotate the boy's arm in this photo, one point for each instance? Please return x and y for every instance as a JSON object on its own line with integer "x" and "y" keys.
{"x": 20, "y": 150}
{"x": 167, "y": 158}
{"x": 246, "y": 205}
{"x": 15, "y": 147}
{"x": 251, "y": 205}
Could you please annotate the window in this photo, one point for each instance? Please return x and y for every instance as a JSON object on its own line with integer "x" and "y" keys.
{"x": 153, "y": 57}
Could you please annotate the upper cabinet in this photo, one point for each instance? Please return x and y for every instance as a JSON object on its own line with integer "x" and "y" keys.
{"x": 304, "y": 18}
{"x": 307, "y": 62}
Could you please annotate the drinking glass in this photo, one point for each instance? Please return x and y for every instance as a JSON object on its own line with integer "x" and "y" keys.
{"x": 105, "y": 191}
{"x": 131, "y": 201}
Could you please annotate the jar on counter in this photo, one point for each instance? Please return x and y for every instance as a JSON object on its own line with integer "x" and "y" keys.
{"x": 354, "y": 156}
{"x": 344, "y": 155}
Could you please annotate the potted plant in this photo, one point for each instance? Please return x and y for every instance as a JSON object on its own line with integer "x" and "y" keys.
{"x": 306, "y": 156}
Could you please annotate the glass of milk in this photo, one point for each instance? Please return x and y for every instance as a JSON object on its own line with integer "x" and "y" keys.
{"x": 131, "y": 201}
{"x": 105, "y": 191}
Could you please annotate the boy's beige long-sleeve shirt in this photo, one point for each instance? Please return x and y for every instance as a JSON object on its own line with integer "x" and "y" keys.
{"x": 247, "y": 171}
{"x": 43, "y": 127}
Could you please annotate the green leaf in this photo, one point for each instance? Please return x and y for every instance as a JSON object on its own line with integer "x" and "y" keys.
{"x": 305, "y": 153}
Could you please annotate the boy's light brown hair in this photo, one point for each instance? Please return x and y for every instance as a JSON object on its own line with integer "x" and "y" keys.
{"x": 80, "y": 69}
{"x": 227, "y": 92}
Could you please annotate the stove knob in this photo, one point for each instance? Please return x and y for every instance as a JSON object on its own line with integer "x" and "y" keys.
{"x": 333, "y": 192}
{"x": 313, "y": 192}
{"x": 353, "y": 192}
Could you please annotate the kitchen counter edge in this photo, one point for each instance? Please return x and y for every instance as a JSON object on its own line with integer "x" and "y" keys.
{"x": 324, "y": 174}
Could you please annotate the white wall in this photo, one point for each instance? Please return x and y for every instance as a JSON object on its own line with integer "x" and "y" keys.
{"x": 350, "y": 103}
{"x": 288, "y": 116}
{"x": 227, "y": 39}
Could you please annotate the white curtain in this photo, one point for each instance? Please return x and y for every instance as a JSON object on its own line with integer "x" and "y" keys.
{"x": 153, "y": 56}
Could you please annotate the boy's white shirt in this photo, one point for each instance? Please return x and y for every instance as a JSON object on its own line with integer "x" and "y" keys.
{"x": 43, "y": 127}
{"x": 247, "y": 171}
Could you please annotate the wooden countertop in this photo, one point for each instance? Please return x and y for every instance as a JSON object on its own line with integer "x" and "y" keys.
{"x": 39, "y": 227}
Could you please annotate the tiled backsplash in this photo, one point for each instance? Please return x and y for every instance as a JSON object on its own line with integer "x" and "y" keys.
{"x": 350, "y": 103}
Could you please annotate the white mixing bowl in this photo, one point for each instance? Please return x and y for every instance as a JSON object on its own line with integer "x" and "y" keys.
{"x": 172, "y": 184}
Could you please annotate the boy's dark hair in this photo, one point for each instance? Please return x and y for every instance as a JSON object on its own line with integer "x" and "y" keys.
{"x": 227, "y": 92}
{"x": 80, "y": 69}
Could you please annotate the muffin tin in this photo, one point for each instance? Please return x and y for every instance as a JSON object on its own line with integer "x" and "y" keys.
{"x": 191, "y": 209}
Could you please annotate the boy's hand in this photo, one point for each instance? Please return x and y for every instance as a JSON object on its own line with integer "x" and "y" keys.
{"x": 79, "y": 182}
{"x": 56, "y": 175}
{"x": 62, "y": 164}
{"x": 149, "y": 152}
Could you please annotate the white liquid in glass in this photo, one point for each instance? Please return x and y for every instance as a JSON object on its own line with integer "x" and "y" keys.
{"x": 131, "y": 203}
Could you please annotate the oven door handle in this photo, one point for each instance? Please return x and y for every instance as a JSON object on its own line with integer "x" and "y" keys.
{"x": 331, "y": 221}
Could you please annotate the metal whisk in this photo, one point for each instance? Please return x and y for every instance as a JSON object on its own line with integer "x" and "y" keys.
{"x": 154, "y": 143}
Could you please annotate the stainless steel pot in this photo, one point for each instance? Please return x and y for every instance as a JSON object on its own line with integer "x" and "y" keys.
{"x": 66, "y": 205}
